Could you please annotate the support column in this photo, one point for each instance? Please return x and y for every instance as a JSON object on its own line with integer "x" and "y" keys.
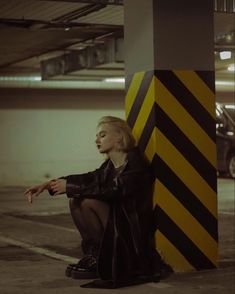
{"x": 170, "y": 106}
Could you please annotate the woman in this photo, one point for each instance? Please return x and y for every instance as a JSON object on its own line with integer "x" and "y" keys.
{"x": 112, "y": 209}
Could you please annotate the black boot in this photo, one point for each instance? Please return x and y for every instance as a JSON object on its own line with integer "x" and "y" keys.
{"x": 86, "y": 268}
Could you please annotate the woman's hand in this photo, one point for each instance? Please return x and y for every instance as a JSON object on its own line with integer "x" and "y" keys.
{"x": 58, "y": 186}
{"x": 36, "y": 190}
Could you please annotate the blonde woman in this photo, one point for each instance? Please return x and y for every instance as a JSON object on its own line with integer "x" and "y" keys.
{"x": 112, "y": 210}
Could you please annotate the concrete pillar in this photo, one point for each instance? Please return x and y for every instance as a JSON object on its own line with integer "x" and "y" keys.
{"x": 170, "y": 106}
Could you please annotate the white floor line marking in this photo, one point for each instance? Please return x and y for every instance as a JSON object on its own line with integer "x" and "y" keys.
{"x": 39, "y": 250}
{"x": 41, "y": 224}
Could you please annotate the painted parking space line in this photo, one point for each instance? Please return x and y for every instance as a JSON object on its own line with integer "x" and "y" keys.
{"x": 37, "y": 249}
{"x": 41, "y": 224}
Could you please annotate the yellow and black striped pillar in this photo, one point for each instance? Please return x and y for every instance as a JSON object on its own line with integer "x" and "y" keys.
{"x": 172, "y": 115}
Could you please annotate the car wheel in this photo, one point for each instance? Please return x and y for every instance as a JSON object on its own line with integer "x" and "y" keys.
{"x": 231, "y": 166}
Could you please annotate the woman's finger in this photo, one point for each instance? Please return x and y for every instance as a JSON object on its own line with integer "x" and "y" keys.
{"x": 27, "y": 191}
{"x": 30, "y": 198}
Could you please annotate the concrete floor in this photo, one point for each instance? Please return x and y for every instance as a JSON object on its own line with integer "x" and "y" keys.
{"x": 38, "y": 240}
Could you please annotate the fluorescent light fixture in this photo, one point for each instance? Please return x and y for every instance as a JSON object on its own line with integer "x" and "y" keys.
{"x": 230, "y": 133}
{"x": 225, "y": 55}
{"x": 229, "y": 106}
{"x": 224, "y": 83}
{"x": 21, "y": 78}
{"x": 115, "y": 80}
{"x": 231, "y": 67}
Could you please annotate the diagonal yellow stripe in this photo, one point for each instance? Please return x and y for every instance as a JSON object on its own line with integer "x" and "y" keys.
{"x": 186, "y": 222}
{"x": 171, "y": 255}
{"x": 198, "y": 88}
{"x": 133, "y": 90}
{"x": 151, "y": 146}
{"x": 185, "y": 171}
{"x": 144, "y": 111}
{"x": 185, "y": 122}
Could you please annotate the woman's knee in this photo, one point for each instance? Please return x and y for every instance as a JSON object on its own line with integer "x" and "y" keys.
{"x": 88, "y": 203}
{"x": 74, "y": 203}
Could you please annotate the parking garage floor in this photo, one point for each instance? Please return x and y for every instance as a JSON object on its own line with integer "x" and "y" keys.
{"x": 38, "y": 240}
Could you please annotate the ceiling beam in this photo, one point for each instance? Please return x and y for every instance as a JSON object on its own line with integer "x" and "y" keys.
{"x": 107, "y": 2}
{"x": 111, "y": 51}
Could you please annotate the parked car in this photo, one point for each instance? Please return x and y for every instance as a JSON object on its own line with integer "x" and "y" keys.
{"x": 225, "y": 139}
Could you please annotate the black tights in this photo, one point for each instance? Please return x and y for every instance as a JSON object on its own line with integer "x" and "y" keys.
{"x": 90, "y": 217}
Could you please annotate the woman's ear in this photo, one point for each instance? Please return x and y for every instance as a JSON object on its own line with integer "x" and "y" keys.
{"x": 120, "y": 142}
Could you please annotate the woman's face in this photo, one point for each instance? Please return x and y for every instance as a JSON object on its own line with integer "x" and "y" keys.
{"x": 107, "y": 138}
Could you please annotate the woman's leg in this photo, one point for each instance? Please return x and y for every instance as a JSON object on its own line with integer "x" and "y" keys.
{"x": 90, "y": 217}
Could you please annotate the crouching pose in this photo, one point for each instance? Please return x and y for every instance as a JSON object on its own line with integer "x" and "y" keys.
{"x": 112, "y": 210}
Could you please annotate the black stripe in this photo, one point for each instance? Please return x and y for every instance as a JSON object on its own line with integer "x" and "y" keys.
{"x": 128, "y": 81}
{"x": 208, "y": 78}
{"x": 186, "y": 148}
{"x": 139, "y": 99}
{"x": 178, "y": 238}
{"x": 147, "y": 131}
{"x": 186, "y": 197}
{"x": 188, "y": 101}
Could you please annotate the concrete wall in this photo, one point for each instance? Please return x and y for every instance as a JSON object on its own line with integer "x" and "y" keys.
{"x": 50, "y": 133}
{"x": 47, "y": 133}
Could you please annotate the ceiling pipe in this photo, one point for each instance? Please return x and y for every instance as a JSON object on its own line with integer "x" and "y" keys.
{"x": 107, "y": 2}
{"x": 86, "y": 10}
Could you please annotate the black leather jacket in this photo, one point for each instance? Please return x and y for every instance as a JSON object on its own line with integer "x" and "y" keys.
{"x": 127, "y": 248}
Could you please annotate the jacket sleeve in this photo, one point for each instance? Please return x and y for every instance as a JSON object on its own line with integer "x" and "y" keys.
{"x": 76, "y": 185}
{"x": 78, "y": 181}
{"x": 126, "y": 185}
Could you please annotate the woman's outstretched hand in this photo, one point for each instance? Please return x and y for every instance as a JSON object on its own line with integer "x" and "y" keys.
{"x": 57, "y": 186}
{"x": 36, "y": 190}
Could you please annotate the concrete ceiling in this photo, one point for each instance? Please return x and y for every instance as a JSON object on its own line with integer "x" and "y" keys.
{"x": 35, "y": 31}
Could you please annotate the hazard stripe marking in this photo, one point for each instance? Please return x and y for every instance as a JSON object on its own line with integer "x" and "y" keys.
{"x": 148, "y": 129}
{"x": 185, "y": 146}
{"x": 185, "y": 221}
{"x": 171, "y": 254}
{"x": 150, "y": 148}
{"x": 186, "y": 123}
{"x": 199, "y": 89}
{"x": 133, "y": 90}
{"x": 186, "y": 172}
{"x": 209, "y": 80}
{"x": 188, "y": 101}
{"x": 172, "y": 116}
{"x": 144, "y": 112}
{"x": 139, "y": 98}
{"x": 187, "y": 248}
{"x": 185, "y": 196}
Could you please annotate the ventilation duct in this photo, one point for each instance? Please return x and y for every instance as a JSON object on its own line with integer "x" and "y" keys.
{"x": 87, "y": 58}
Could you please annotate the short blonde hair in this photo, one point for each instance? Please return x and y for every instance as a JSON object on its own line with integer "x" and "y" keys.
{"x": 120, "y": 125}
